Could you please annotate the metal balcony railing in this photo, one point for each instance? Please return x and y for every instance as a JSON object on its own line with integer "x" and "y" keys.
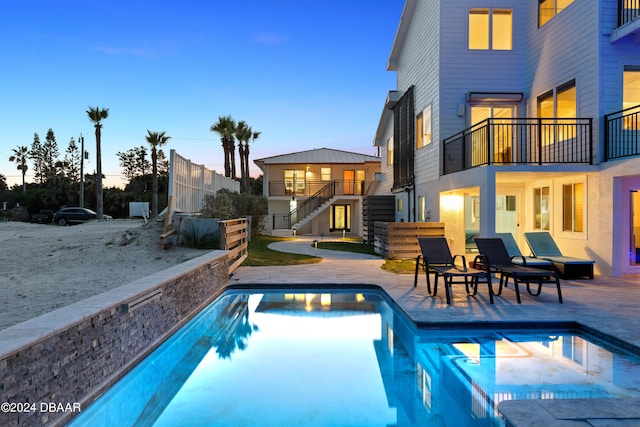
{"x": 628, "y": 10}
{"x": 622, "y": 133}
{"x": 317, "y": 199}
{"x": 533, "y": 141}
{"x": 309, "y": 188}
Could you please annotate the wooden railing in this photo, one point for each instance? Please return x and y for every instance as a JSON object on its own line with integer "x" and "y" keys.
{"x": 399, "y": 240}
{"x": 234, "y": 238}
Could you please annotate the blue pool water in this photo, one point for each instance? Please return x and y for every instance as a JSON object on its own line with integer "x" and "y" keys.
{"x": 276, "y": 358}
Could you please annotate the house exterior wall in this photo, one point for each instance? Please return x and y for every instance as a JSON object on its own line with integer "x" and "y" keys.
{"x": 281, "y": 201}
{"x": 576, "y": 44}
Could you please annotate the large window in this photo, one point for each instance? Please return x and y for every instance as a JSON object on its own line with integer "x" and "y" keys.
{"x": 573, "y": 207}
{"x": 547, "y": 9}
{"x": 490, "y": 29}
{"x": 631, "y": 98}
{"x": 541, "y": 208}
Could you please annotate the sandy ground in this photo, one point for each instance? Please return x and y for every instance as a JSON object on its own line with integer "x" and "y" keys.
{"x": 44, "y": 267}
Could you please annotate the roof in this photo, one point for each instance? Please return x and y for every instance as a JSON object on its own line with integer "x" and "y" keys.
{"x": 401, "y": 34}
{"x": 318, "y": 155}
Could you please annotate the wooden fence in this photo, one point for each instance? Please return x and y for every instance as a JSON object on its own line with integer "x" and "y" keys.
{"x": 234, "y": 237}
{"x": 399, "y": 240}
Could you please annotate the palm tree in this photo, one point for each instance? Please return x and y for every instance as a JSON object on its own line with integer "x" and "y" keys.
{"x": 96, "y": 115}
{"x": 20, "y": 156}
{"x": 226, "y": 128}
{"x": 155, "y": 139}
{"x": 244, "y": 134}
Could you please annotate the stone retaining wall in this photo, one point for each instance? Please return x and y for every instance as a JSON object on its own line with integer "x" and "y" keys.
{"x": 69, "y": 356}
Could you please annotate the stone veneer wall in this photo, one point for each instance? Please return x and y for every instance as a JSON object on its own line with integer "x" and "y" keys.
{"x": 71, "y": 355}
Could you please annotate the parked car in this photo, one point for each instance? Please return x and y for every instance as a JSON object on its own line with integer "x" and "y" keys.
{"x": 45, "y": 216}
{"x": 74, "y": 215}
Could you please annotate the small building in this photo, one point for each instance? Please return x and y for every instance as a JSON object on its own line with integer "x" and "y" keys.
{"x": 317, "y": 191}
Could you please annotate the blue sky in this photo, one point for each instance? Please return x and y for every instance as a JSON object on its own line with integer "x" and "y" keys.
{"x": 307, "y": 74}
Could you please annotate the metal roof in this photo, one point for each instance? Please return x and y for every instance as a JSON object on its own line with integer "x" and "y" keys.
{"x": 318, "y": 155}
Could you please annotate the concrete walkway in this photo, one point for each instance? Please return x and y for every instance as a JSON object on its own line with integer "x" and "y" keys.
{"x": 610, "y": 305}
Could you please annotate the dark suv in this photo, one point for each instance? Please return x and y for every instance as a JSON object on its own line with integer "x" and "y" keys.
{"x": 68, "y": 216}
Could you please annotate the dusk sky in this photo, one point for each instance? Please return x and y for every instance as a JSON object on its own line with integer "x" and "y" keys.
{"x": 307, "y": 74}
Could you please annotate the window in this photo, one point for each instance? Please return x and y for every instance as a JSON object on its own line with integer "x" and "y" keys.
{"x": 423, "y": 128}
{"x": 573, "y": 207}
{"x": 325, "y": 174}
{"x": 422, "y": 208}
{"x": 390, "y": 151}
{"x": 631, "y": 98}
{"x": 547, "y": 9}
{"x": 399, "y": 205}
{"x": 559, "y": 103}
{"x": 541, "y": 208}
{"x": 490, "y": 29}
{"x": 294, "y": 180}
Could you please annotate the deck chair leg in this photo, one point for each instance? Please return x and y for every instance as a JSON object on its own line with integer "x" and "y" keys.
{"x": 559, "y": 291}
{"x": 447, "y": 289}
{"x": 435, "y": 284}
{"x": 415, "y": 277}
{"x": 488, "y": 277}
{"x": 515, "y": 285}
{"x": 539, "y": 288}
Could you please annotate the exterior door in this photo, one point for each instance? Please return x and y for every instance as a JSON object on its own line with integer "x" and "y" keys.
{"x": 340, "y": 218}
{"x": 501, "y": 133}
{"x": 349, "y": 178}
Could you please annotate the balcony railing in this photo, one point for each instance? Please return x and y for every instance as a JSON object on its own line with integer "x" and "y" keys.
{"x": 628, "y": 10}
{"x": 622, "y": 133}
{"x": 535, "y": 141}
{"x": 309, "y": 188}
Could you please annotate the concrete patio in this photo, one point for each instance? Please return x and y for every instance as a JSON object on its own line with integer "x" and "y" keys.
{"x": 609, "y": 305}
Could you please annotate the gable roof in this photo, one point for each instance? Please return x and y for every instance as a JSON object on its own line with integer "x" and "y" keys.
{"x": 317, "y": 155}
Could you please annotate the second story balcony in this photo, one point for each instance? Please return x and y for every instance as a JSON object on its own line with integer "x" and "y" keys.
{"x": 628, "y": 24}
{"x": 622, "y": 133}
{"x": 308, "y": 188}
{"x": 527, "y": 141}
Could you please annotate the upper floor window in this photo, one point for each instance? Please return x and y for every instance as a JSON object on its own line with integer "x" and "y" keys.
{"x": 294, "y": 180}
{"x": 547, "y": 9}
{"x": 423, "y": 128}
{"x": 325, "y": 174}
{"x": 390, "y": 151}
{"x": 490, "y": 29}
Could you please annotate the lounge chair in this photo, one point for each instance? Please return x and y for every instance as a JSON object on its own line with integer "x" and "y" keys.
{"x": 436, "y": 258}
{"x": 543, "y": 246}
{"x": 494, "y": 255}
{"x": 518, "y": 258}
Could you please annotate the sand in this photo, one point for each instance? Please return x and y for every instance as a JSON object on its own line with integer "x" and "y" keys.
{"x": 45, "y": 267}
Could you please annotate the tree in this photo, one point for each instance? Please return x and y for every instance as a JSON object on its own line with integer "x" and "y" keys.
{"x": 244, "y": 134}
{"x": 226, "y": 128}
{"x": 72, "y": 161}
{"x": 96, "y": 115}
{"x": 20, "y": 156}
{"x": 3, "y": 183}
{"x": 134, "y": 162}
{"x": 156, "y": 140}
{"x": 50, "y": 153}
{"x": 37, "y": 155}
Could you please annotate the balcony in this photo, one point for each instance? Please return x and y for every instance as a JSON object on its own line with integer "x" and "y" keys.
{"x": 622, "y": 133}
{"x": 628, "y": 20}
{"x": 309, "y": 188}
{"x": 526, "y": 141}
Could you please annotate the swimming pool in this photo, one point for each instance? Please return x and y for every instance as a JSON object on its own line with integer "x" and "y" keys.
{"x": 349, "y": 358}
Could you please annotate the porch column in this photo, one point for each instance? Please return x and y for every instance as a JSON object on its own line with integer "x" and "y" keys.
{"x": 488, "y": 204}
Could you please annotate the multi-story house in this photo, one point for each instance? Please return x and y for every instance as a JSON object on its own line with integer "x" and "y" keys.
{"x": 516, "y": 116}
{"x": 317, "y": 191}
